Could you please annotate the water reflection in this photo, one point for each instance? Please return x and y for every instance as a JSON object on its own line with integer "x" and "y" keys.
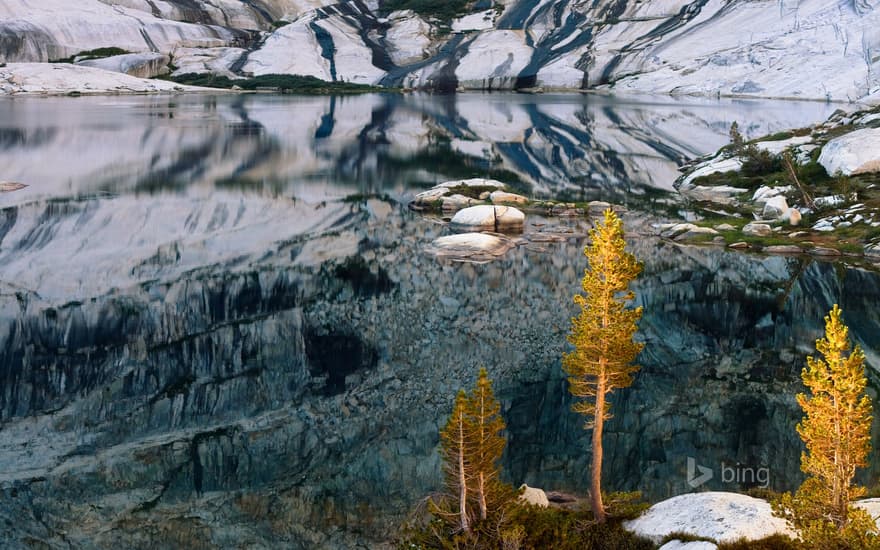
{"x": 191, "y": 327}
{"x": 588, "y": 146}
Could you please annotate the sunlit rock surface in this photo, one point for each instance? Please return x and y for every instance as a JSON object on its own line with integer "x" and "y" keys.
{"x": 809, "y": 49}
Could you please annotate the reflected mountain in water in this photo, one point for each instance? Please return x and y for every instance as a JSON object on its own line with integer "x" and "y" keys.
{"x": 587, "y": 146}
{"x": 203, "y": 344}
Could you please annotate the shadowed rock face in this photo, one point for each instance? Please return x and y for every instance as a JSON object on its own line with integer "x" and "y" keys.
{"x": 186, "y": 360}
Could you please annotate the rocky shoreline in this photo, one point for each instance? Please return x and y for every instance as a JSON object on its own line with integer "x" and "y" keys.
{"x": 811, "y": 191}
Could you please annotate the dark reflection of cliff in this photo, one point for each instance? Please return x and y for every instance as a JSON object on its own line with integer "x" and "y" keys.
{"x": 293, "y": 396}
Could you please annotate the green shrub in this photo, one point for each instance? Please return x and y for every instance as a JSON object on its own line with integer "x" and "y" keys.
{"x": 684, "y": 537}
{"x": 757, "y": 161}
{"x": 444, "y": 10}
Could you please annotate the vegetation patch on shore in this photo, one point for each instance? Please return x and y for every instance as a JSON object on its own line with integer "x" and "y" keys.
{"x": 285, "y": 83}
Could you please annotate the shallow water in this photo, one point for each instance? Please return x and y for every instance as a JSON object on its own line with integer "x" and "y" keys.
{"x": 220, "y": 309}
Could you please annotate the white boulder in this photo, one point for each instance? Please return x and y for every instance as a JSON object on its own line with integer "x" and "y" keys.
{"x": 776, "y": 208}
{"x": 141, "y": 65}
{"x": 853, "y": 153}
{"x": 489, "y": 217}
{"x": 757, "y": 229}
{"x": 720, "y": 516}
{"x": 533, "y": 495}
{"x": 503, "y": 196}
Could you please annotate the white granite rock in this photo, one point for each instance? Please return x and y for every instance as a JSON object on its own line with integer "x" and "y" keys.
{"x": 857, "y": 152}
{"x": 141, "y": 65}
{"x": 776, "y": 208}
{"x": 64, "y": 78}
{"x": 408, "y": 38}
{"x": 757, "y": 229}
{"x": 503, "y": 196}
{"x": 720, "y": 516}
{"x": 490, "y": 217}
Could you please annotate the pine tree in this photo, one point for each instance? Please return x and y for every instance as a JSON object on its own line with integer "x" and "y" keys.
{"x": 487, "y": 445}
{"x": 472, "y": 445}
{"x": 836, "y": 431}
{"x": 837, "y": 427}
{"x": 455, "y": 450}
{"x": 602, "y": 336}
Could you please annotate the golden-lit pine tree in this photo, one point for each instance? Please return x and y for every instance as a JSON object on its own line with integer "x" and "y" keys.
{"x": 454, "y": 439}
{"x": 486, "y": 446}
{"x": 602, "y": 336}
{"x": 837, "y": 427}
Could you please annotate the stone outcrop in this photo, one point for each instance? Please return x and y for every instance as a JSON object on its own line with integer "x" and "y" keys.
{"x": 141, "y": 65}
{"x": 723, "y": 517}
{"x": 857, "y": 152}
{"x": 489, "y": 217}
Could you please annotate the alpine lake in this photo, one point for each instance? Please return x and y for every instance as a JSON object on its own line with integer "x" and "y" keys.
{"x": 221, "y": 324}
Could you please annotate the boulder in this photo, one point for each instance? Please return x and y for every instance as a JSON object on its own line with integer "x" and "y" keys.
{"x": 502, "y": 196}
{"x": 757, "y": 229}
{"x": 853, "y": 153}
{"x": 141, "y": 65}
{"x": 739, "y": 245}
{"x": 765, "y": 192}
{"x": 794, "y": 216}
{"x": 725, "y": 227}
{"x": 455, "y": 202}
{"x": 489, "y": 217}
{"x": 775, "y": 208}
{"x": 720, "y": 516}
{"x": 533, "y": 495}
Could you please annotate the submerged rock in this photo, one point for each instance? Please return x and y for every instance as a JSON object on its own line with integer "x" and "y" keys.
{"x": 473, "y": 246}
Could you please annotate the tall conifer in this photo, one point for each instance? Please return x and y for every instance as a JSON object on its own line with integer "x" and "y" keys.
{"x": 602, "y": 336}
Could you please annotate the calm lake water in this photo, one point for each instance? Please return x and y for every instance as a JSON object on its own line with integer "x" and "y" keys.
{"x": 219, "y": 324}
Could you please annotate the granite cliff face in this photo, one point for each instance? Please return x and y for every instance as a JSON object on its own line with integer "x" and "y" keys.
{"x": 808, "y": 49}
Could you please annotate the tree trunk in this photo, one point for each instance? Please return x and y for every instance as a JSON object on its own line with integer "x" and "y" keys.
{"x": 596, "y": 477}
{"x": 482, "y": 491}
{"x": 462, "y": 497}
